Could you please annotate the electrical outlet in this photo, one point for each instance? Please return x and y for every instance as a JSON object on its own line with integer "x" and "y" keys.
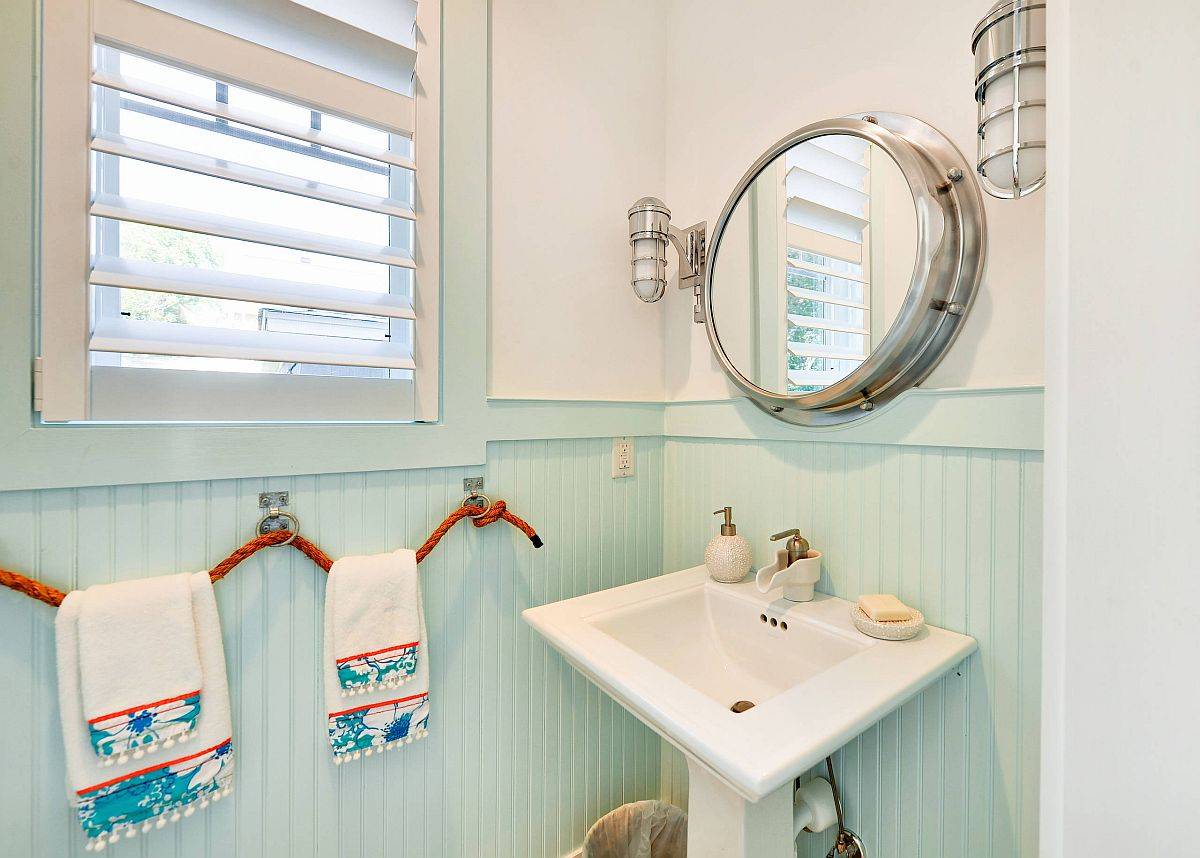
{"x": 622, "y": 460}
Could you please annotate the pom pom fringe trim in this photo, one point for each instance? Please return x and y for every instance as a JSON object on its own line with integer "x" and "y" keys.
{"x": 419, "y": 733}
{"x": 128, "y": 830}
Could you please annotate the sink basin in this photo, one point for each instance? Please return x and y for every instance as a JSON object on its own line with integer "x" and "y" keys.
{"x": 682, "y": 652}
{"x": 716, "y": 642}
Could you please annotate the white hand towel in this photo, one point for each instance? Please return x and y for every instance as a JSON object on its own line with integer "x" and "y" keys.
{"x": 375, "y": 641}
{"x": 138, "y": 795}
{"x": 375, "y": 606}
{"x": 139, "y": 666}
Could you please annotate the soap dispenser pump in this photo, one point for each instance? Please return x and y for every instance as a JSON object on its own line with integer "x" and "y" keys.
{"x": 727, "y": 555}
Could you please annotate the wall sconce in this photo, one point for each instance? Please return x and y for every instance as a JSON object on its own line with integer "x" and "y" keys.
{"x": 1010, "y": 88}
{"x": 649, "y": 231}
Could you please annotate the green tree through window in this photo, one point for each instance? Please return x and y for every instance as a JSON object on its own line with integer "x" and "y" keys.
{"x": 153, "y": 244}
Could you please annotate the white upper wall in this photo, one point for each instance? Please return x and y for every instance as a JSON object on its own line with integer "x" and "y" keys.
{"x": 742, "y": 75}
{"x": 585, "y": 108}
{"x": 577, "y": 137}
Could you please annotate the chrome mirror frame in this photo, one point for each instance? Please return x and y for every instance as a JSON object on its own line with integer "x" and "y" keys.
{"x": 949, "y": 264}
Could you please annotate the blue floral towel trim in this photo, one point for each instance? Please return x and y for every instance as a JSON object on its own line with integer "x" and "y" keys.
{"x": 378, "y": 725}
{"x": 143, "y": 727}
{"x": 161, "y": 791}
{"x": 388, "y": 667}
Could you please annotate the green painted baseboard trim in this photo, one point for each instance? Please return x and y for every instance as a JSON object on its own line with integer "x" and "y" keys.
{"x": 72, "y": 456}
{"x": 998, "y": 418}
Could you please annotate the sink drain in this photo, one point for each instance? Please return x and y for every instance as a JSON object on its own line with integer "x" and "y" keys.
{"x": 741, "y": 706}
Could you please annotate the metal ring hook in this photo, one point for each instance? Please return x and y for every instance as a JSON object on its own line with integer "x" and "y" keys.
{"x": 471, "y": 498}
{"x": 276, "y": 513}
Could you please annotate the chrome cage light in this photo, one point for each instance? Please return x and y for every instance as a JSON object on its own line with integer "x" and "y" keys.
{"x": 1009, "y": 45}
{"x": 650, "y": 231}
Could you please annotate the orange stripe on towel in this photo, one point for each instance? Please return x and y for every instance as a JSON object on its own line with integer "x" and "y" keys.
{"x": 143, "y": 706}
{"x": 380, "y": 703}
{"x": 377, "y": 651}
{"x": 117, "y": 780}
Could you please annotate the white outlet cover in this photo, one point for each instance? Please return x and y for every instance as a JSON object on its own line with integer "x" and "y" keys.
{"x": 622, "y": 458}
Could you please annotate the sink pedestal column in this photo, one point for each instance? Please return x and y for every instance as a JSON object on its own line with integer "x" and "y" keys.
{"x": 722, "y": 824}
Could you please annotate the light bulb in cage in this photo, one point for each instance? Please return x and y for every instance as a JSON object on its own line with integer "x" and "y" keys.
{"x": 1010, "y": 92}
{"x": 650, "y": 231}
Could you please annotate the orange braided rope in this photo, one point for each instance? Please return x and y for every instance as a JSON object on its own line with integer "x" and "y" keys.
{"x": 498, "y": 511}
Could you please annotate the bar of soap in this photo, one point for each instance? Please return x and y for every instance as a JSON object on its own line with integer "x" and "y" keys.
{"x": 884, "y": 608}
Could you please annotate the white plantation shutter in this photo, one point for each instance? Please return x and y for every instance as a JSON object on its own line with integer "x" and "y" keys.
{"x": 827, "y": 185}
{"x": 240, "y": 211}
{"x": 370, "y": 40}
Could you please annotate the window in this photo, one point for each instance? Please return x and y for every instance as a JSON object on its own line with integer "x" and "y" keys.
{"x": 242, "y": 233}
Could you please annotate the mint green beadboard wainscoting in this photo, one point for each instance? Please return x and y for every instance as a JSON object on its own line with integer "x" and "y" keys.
{"x": 955, "y": 532}
{"x": 523, "y": 753}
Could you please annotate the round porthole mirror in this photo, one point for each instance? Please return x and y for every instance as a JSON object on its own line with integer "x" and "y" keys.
{"x": 843, "y": 266}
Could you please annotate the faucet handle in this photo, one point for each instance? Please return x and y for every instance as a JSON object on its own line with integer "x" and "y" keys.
{"x": 797, "y": 545}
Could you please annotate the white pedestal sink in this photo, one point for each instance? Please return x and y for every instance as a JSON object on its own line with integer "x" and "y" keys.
{"x": 678, "y": 651}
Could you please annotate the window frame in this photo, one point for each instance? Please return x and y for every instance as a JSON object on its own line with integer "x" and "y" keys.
{"x": 66, "y": 379}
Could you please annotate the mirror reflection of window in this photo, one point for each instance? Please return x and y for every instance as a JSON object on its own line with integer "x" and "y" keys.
{"x": 827, "y": 317}
{"x": 827, "y": 212}
{"x": 814, "y": 264}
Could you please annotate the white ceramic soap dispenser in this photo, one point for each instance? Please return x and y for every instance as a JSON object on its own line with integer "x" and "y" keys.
{"x": 728, "y": 555}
